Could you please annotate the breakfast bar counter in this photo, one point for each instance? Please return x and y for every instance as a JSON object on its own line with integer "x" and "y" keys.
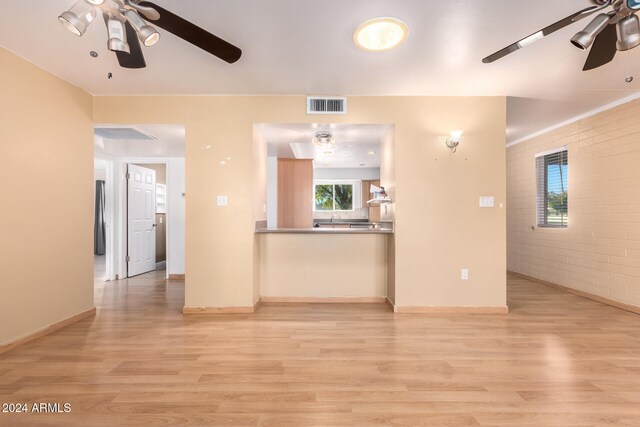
{"x": 324, "y": 231}
{"x": 332, "y": 228}
{"x": 324, "y": 263}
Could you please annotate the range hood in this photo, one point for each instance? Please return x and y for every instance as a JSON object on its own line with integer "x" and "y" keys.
{"x": 379, "y": 201}
{"x": 380, "y": 196}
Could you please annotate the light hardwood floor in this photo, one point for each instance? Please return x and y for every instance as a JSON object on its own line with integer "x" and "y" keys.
{"x": 555, "y": 360}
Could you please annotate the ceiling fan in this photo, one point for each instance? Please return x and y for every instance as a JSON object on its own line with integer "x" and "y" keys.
{"x": 127, "y": 28}
{"x": 610, "y": 31}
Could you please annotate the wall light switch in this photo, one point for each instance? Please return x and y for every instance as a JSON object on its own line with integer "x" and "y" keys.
{"x": 464, "y": 274}
{"x": 223, "y": 201}
{"x": 487, "y": 202}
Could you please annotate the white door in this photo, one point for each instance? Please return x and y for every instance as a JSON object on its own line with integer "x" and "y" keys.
{"x": 141, "y": 234}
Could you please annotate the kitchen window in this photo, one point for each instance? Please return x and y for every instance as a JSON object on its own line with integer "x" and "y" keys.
{"x": 552, "y": 196}
{"x": 333, "y": 197}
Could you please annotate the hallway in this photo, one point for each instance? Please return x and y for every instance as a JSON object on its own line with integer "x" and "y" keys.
{"x": 555, "y": 360}
{"x": 99, "y": 269}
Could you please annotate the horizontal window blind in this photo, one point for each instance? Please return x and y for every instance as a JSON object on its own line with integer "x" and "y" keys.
{"x": 552, "y": 205}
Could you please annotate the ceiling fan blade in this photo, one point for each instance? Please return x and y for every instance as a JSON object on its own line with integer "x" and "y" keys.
{"x": 135, "y": 59}
{"x": 543, "y": 33}
{"x": 603, "y": 50}
{"x": 194, "y": 34}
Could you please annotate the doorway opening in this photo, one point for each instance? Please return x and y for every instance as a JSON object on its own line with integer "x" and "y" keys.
{"x": 331, "y": 177}
{"x": 339, "y": 168}
{"x": 101, "y": 171}
{"x": 144, "y": 199}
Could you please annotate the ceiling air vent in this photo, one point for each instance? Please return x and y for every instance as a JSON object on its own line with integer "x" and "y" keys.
{"x": 324, "y": 105}
{"x": 123, "y": 133}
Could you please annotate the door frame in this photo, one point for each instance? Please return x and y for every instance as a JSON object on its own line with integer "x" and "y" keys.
{"x": 109, "y": 214}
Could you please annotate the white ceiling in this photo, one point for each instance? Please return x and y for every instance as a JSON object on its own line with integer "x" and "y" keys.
{"x": 353, "y": 143}
{"x": 169, "y": 143}
{"x": 305, "y": 47}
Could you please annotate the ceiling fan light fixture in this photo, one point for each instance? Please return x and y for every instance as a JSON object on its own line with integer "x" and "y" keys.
{"x": 628, "y": 30}
{"x": 324, "y": 139}
{"x": 151, "y": 38}
{"x": 117, "y": 35}
{"x": 146, "y": 33}
{"x": 379, "y": 34}
{"x": 585, "y": 38}
{"x": 78, "y": 18}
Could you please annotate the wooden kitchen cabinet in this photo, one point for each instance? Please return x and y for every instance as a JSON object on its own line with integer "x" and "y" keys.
{"x": 365, "y": 194}
{"x": 295, "y": 193}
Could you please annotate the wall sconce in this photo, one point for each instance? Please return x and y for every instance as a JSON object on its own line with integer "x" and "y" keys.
{"x": 454, "y": 139}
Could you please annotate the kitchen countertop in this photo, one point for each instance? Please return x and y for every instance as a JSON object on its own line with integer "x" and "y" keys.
{"x": 324, "y": 230}
{"x": 387, "y": 228}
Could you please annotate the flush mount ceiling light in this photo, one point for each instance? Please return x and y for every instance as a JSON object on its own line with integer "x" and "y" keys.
{"x": 324, "y": 139}
{"x": 129, "y": 30}
{"x": 379, "y": 34}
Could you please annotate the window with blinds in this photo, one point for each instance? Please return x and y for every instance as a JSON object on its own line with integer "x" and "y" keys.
{"x": 552, "y": 202}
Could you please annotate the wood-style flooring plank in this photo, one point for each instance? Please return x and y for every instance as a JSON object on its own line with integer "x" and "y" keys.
{"x": 555, "y": 360}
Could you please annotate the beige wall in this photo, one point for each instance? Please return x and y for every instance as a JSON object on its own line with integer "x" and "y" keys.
{"x": 161, "y": 171}
{"x": 328, "y": 265}
{"x": 440, "y": 228}
{"x": 46, "y": 183}
{"x": 259, "y": 202}
{"x": 599, "y": 252}
{"x": 388, "y": 174}
{"x": 259, "y": 176}
{"x": 387, "y": 211}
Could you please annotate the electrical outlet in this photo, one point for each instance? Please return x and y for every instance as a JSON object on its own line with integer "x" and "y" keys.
{"x": 464, "y": 274}
{"x": 222, "y": 201}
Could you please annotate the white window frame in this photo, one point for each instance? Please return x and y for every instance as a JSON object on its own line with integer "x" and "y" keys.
{"x": 333, "y": 182}
{"x": 541, "y": 187}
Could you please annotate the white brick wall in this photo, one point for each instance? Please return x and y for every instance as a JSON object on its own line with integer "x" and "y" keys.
{"x": 600, "y": 250}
